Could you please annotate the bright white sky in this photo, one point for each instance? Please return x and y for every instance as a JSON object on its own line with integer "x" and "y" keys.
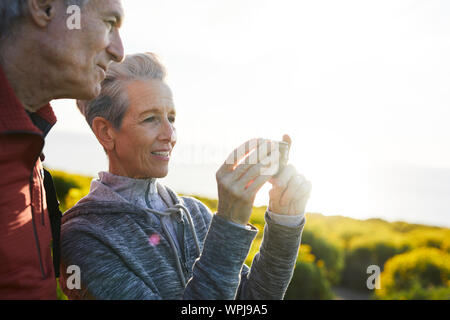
{"x": 355, "y": 83}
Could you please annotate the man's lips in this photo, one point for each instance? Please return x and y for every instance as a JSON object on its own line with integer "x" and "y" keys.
{"x": 103, "y": 73}
{"x": 103, "y": 67}
{"x": 103, "y": 70}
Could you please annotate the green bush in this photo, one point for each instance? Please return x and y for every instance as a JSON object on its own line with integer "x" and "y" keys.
{"x": 331, "y": 254}
{"x": 63, "y": 183}
{"x": 308, "y": 283}
{"x": 423, "y": 273}
{"x": 66, "y": 183}
{"x": 364, "y": 254}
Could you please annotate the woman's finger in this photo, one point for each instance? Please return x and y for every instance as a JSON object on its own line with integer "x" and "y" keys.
{"x": 293, "y": 188}
{"x": 254, "y": 172}
{"x": 237, "y": 154}
{"x": 261, "y": 155}
{"x": 256, "y": 184}
{"x": 298, "y": 205}
{"x": 282, "y": 179}
{"x": 287, "y": 138}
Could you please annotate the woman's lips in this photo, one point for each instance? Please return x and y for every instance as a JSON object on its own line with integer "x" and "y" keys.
{"x": 161, "y": 155}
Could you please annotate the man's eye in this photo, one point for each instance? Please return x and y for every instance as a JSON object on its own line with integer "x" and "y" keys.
{"x": 172, "y": 119}
{"x": 111, "y": 23}
{"x": 150, "y": 119}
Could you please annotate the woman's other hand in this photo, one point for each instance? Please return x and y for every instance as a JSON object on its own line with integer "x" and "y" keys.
{"x": 290, "y": 190}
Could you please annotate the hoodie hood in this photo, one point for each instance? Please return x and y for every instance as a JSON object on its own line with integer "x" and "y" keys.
{"x": 103, "y": 199}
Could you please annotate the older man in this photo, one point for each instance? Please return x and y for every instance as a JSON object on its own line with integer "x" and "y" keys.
{"x": 41, "y": 59}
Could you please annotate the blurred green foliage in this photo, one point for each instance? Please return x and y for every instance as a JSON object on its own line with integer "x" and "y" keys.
{"x": 70, "y": 188}
{"x": 423, "y": 273}
{"x": 336, "y": 251}
{"x": 324, "y": 250}
{"x": 309, "y": 281}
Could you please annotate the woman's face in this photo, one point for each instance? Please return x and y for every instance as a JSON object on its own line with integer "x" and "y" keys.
{"x": 144, "y": 143}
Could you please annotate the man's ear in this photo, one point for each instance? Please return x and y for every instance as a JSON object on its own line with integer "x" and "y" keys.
{"x": 42, "y": 11}
{"x": 104, "y": 132}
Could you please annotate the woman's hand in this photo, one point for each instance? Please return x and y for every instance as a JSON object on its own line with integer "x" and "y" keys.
{"x": 238, "y": 183}
{"x": 290, "y": 191}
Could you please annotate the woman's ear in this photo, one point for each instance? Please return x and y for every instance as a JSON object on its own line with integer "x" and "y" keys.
{"x": 42, "y": 11}
{"x": 104, "y": 132}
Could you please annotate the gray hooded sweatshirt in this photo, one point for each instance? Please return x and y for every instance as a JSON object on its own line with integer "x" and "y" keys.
{"x": 136, "y": 239}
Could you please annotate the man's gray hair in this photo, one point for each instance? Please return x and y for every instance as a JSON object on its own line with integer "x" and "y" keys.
{"x": 12, "y": 11}
{"x": 112, "y": 103}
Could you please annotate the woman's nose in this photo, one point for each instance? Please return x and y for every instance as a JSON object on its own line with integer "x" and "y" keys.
{"x": 168, "y": 132}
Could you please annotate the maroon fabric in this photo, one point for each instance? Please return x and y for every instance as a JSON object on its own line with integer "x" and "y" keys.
{"x": 26, "y": 267}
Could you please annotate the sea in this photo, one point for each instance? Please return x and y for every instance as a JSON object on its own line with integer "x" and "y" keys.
{"x": 393, "y": 192}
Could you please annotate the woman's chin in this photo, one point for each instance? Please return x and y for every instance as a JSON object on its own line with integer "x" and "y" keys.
{"x": 159, "y": 173}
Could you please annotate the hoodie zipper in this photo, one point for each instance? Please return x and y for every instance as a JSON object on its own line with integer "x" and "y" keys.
{"x": 183, "y": 248}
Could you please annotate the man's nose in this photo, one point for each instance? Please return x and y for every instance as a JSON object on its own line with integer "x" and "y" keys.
{"x": 115, "y": 48}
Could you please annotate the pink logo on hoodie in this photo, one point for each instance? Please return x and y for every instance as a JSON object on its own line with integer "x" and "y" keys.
{"x": 154, "y": 239}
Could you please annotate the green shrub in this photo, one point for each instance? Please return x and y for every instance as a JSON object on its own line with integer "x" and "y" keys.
{"x": 423, "y": 273}
{"x": 308, "y": 283}
{"x": 364, "y": 254}
{"x": 65, "y": 183}
{"x": 331, "y": 254}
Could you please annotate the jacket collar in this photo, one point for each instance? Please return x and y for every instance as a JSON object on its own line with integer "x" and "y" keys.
{"x": 14, "y": 117}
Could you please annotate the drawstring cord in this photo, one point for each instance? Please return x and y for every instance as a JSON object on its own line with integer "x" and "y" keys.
{"x": 176, "y": 209}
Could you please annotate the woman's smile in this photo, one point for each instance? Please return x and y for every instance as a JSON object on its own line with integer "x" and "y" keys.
{"x": 161, "y": 155}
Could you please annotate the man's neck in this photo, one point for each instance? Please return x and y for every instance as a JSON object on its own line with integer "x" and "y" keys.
{"x": 21, "y": 71}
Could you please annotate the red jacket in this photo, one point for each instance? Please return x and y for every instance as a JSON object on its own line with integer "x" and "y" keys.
{"x": 26, "y": 267}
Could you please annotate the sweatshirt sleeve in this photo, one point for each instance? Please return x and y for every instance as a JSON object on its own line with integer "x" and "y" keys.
{"x": 216, "y": 274}
{"x": 273, "y": 266}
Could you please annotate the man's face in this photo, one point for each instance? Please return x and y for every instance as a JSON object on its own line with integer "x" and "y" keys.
{"x": 84, "y": 54}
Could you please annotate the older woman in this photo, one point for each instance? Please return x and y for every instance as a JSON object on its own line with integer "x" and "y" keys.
{"x": 133, "y": 238}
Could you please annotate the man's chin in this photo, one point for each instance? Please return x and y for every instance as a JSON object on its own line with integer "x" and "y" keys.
{"x": 89, "y": 93}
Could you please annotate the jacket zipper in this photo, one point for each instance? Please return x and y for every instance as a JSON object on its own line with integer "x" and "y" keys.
{"x": 36, "y": 237}
{"x": 41, "y": 177}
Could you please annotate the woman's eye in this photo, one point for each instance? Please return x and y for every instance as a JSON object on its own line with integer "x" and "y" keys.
{"x": 172, "y": 119}
{"x": 150, "y": 119}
